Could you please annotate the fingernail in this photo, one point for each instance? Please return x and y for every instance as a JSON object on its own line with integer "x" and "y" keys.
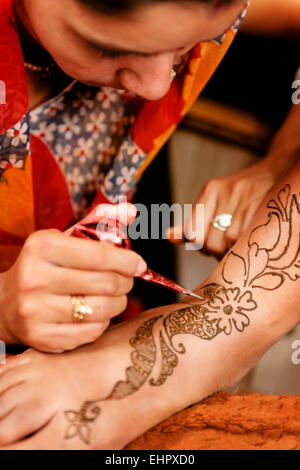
{"x": 142, "y": 267}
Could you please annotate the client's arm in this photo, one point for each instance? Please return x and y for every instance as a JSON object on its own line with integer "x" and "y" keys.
{"x": 140, "y": 372}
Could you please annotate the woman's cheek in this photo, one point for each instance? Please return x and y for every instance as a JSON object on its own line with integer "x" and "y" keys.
{"x": 100, "y": 71}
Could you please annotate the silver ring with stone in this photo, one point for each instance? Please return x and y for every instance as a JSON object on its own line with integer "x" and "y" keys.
{"x": 222, "y": 222}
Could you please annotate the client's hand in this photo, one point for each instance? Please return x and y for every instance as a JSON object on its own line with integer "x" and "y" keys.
{"x": 240, "y": 195}
{"x": 35, "y": 294}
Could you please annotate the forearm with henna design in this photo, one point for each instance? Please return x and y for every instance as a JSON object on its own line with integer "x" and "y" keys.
{"x": 272, "y": 258}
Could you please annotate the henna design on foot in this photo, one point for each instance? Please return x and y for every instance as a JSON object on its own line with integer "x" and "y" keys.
{"x": 272, "y": 258}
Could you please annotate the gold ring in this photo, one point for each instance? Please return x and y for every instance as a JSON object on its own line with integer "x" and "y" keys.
{"x": 80, "y": 308}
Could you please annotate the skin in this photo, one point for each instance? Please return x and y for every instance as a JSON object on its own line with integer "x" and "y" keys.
{"x": 35, "y": 293}
{"x": 42, "y": 280}
{"x": 63, "y": 29}
{"x": 184, "y": 352}
{"x": 206, "y": 366}
{"x": 241, "y": 193}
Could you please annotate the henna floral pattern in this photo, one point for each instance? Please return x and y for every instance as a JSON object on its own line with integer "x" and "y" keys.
{"x": 80, "y": 421}
{"x": 273, "y": 249}
{"x": 272, "y": 258}
{"x": 228, "y": 309}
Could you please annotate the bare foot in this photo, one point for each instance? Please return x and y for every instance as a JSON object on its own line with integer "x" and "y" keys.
{"x": 59, "y": 400}
{"x": 105, "y": 395}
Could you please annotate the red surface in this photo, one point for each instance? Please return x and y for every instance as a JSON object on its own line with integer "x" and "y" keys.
{"x": 53, "y": 208}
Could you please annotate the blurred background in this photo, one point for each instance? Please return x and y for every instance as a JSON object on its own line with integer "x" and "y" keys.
{"x": 229, "y": 128}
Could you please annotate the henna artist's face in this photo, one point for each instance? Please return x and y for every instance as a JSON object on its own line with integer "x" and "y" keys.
{"x": 135, "y": 51}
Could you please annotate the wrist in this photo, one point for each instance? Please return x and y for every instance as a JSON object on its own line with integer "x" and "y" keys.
{"x": 281, "y": 158}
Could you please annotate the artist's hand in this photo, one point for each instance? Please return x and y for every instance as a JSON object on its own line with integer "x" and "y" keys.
{"x": 240, "y": 195}
{"x": 35, "y": 294}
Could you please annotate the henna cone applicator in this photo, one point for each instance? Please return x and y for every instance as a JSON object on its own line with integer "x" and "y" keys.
{"x": 112, "y": 231}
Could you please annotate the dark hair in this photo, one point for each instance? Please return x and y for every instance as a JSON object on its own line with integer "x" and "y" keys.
{"x": 122, "y": 6}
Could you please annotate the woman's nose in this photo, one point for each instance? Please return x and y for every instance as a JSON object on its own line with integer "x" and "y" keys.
{"x": 148, "y": 77}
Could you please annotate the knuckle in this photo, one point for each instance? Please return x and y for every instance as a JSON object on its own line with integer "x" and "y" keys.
{"x": 105, "y": 283}
{"x": 40, "y": 241}
{"x": 111, "y": 284}
{"x": 239, "y": 186}
{"x": 108, "y": 308}
{"x": 209, "y": 186}
{"x": 31, "y": 276}
{"x": 101, "y": 309}
{"x": 212, "y": 186}
{"x": 34, "y": 243}
{"x": 26, "y": 279}
{"x": 25, "y": 307}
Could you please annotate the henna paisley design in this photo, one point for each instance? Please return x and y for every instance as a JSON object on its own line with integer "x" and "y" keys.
{"x": 169, "y": 362}
{"x": 143, "y": 359}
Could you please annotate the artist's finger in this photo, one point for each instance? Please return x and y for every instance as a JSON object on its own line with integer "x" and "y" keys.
{"x": 216, "y": 239}
{"x": 250, "y": 213}
{"x": 190, "y": 229}
{"x": 81, "y": 254}
{"x": 65, "y": 281}
{"x": 124, "y": 213}
{"x": 68, "y": 337}
{"x": 235, "y": 230}
{"x": 60, "y": 310}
